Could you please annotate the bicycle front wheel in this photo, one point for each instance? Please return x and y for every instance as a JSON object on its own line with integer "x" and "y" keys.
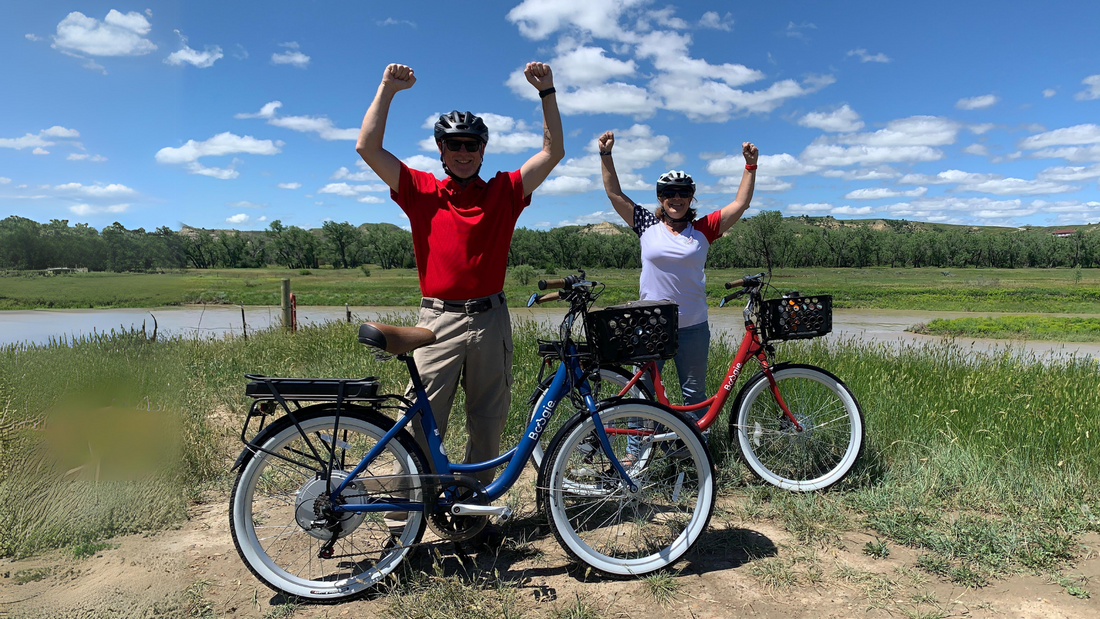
{"x": 276, "y": 516}
{"x": 598, "y": 519}
{"x": 612, "y": 381}
{"x": 814, "y": 457}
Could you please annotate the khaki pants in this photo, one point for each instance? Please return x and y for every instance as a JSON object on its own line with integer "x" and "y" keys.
{"x": 476, "y": 351}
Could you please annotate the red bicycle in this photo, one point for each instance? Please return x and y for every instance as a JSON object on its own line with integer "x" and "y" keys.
{"x": 797, "y": 426}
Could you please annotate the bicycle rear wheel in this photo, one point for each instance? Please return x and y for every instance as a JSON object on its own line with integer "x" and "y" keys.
{"x": 612, "y": 380}
{"x": 813, "y": 458}
{"x": 594, "y": 514}
{"x": 273, "y": 508}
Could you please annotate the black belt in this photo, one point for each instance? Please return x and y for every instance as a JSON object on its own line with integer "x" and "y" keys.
{"x": 469, "y": 307}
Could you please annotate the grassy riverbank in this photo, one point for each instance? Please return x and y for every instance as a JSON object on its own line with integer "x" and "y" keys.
{"x": 988, "y": 465}
{"x": 1054, "y": 329}
{"x": 1004, "y": 290}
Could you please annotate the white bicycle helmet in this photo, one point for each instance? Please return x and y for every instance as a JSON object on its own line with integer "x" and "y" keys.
{"x": 675, "y": 179}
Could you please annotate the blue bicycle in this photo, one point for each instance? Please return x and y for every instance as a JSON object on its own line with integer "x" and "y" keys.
{"x": 332, "y": 494}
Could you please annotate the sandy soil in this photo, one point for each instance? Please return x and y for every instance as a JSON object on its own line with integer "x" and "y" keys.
{"x": 736, "y": 569}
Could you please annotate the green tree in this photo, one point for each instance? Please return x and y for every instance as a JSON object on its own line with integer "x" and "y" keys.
{"x": 342, "y": 241}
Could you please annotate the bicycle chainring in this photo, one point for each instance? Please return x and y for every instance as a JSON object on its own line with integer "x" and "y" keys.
{"x": 449, "y": 492}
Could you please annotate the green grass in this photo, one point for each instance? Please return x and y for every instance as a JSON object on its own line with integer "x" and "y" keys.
{"x": 85, "y": 550}
{"x": 987, "y": 465}
{"x": 1056, "y": 329}
{"x": 1005, "y": 290}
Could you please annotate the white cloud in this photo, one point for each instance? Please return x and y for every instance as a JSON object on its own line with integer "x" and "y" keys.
{"x": 863, "y": 174}
{"x": 246, "y": 204}
{"x": 996, "y": 183}
{"x": 911, "y": 131}
{"x": 981, "y": 128}
{"x": 219, "y": 145}
{"x": 711, "y": 19}
{"x": 763, "y": 183}
{"x": 1074, "y": 154}
{"x": 878, "y": 193}
{"x": 291, "y": 57}
{"x": 1049, "y": 92}
{"x": 809, "y": 209}
{"x": 853, "y": 210}
{"x": 202, "y": 60}
{"x": 114, "y": 190}
{"x": 116, "y": 35}
{"x": 1070, "y": 174}
{"x": 782, "y": 164}
{"x": 426, "y": 164}
{"x": 592, "y": 82}
{"x": 87, "y": 209}
{"x": 568, "y": 185}
{"x": 350, "y": 191}
{"x": 85, "y": 157}
{"x": 977, "y": 103}
{"x": 239, "y": 218}
{"x": 588, "y": 65}
{"x": 947, "y": 177}
{"x": 40, "y": 151}
{"x": 370, "y": 200}
{"x": 865, "y": 57}
{"x": 843, "y": 119}
{"x": 839, "y": 156}
{"x": 537, "y": 19}
{"x": 1067, "y": 136}
{"x": 673, "y": 159}
{"x": 1092, "y": 91}
{"x": 795, "y": 30}
{"x": 4, "y": 180}
{"x": 39, "y": 141}
{"x": 32, "y": 37}
{"x": 976, "y": 149}
{"x": 389, "y": 21}
{"x": 364, "y": 173}
{"x": 320, "y": 125}
{"x": 292, "y": 185}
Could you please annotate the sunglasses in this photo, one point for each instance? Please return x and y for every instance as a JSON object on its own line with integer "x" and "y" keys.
{"x": 668, "y": 195}
{"x": 455, "y": 145}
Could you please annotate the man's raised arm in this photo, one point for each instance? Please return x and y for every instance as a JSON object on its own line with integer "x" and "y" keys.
{"x": 538, "y": 167}
{"x": 395, "y": 78}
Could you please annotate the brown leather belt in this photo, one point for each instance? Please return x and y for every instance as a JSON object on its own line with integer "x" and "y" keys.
{"x": 468, "y": 307}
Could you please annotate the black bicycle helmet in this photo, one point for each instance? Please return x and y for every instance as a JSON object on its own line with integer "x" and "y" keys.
{"x": 674, "y": 179}
{"x": 461, "y": 124}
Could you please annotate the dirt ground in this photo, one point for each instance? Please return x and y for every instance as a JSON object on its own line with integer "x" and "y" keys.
{"x": 737, "y": 569}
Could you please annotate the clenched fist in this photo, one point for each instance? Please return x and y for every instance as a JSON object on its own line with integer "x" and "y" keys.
{"x": 751, "y": 153}
{"x": 606, "y": 142}
{"x": 397, "y": 77}
{"x": 539, "y": 75}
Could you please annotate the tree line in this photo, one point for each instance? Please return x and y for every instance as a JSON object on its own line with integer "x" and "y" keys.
{"x": 767, "y": 239}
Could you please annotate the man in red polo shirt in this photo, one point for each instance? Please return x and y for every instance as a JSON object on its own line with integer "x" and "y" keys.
{"x": 462, "y": 229}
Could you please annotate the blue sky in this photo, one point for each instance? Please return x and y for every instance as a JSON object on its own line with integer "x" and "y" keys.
{"x": 220, "y": 114}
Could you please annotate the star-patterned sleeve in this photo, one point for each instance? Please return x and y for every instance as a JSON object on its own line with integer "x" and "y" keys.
{"x": 643, "y": 219}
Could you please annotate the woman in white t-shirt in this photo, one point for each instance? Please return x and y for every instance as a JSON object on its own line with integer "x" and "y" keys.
{"x": 674, "y": 252}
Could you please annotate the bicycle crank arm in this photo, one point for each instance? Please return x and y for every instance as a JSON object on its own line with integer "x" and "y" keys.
{"x": 502, "y": 512}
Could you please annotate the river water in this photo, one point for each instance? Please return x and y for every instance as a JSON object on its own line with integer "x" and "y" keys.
{"x": 39, "y": 326}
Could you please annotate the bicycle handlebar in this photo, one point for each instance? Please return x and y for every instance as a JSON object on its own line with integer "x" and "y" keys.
{"x": 747, "y": 280}
{"x": 551, "y": 283}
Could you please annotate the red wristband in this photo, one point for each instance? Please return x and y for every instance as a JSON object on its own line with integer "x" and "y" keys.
{"x": 751, "y": 166}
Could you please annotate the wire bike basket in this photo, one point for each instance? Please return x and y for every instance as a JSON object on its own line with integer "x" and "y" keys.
{"x": 797, "y": 317}
{"x": 635, "y": 331}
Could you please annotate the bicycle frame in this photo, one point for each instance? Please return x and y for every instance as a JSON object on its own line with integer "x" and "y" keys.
{"x": 752, "y": 346}
{"x": 569, "y": 375}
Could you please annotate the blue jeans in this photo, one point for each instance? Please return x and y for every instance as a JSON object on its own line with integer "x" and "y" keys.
{"x": 691, "y": 369}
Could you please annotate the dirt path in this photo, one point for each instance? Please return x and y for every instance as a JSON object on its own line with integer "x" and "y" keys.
{"x": 738, "y": 569}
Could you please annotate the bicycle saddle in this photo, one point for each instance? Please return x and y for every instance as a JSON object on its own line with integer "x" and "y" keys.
{"x": 394, "y": 340}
